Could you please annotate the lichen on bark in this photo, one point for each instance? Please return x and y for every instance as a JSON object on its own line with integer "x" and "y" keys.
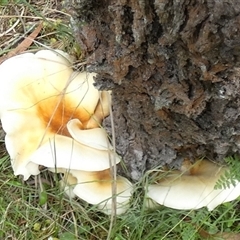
{"x": 173, "y": 68}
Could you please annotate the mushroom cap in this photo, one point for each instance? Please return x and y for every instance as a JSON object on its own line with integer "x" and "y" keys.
{"x": 38, "y": 99}
{"x": 45, "y": 81}
{"x": 65, "y": 152}
{"x": 193, "y": 189}
{"x": 121, "y": 207}
{"x": 22, "y": 140}
{"x": 96, "y": 188}
{"x": 95, "y": 138}
{"x": 32, "y": 74}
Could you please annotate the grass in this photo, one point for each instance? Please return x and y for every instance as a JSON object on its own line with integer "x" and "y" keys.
{"x": 19, "y": 18}
{"x": 27, "y": 214}
{"x": 29, "y": 210}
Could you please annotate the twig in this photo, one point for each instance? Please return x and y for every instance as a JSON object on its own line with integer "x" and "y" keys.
{"x": 113, "y": 168}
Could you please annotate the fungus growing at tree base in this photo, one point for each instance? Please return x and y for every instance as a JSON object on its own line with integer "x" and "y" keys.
{"x": 52, "y": 117}
{"x": 193, "y": 187}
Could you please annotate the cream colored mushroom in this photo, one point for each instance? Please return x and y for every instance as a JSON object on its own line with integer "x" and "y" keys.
{"x": 96, "y": 188}
{"x": 86, "y": 150}
{"x": 38, "y": 99}
{"x": 193, "y": 188}
{"x": 51, "y": 116}
{"x": 65, "y": 152}
{"x": 67, "y": 183}
{"x": 95, "y": 138}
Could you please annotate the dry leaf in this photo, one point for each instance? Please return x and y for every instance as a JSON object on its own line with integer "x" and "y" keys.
{"x": 227, "y": 236}
{"x": 25, "y": 44}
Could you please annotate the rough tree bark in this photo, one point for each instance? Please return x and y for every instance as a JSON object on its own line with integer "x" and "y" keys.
{"x": 173, "y": 67}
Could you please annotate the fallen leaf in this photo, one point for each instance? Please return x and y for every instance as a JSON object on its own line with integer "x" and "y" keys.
{"x": 218, "y": 236}
{"x": 227, "y": 236}
{"x": 25, "y": 44}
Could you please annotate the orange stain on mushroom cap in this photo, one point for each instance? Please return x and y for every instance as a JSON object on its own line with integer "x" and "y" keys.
{"x": 56, "y": 114}
{"x": 97, "y": 177}
{"x": 38, "y": 99}
{"x": 101, "y": 177}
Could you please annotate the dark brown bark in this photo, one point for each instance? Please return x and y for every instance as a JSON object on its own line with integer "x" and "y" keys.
{"x": 174, "y": 70}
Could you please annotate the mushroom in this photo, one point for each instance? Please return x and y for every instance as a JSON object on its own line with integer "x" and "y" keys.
{"x": 95, "y": 187}
{"x": 193, "y": 187}
{"x": 39, "y": 98}
{"x": 67, "y": 183}
{"x": 51, "y": 116}
{"x": 65, "y": 152}
{"x": 87, "y": 150}
{"x": 96, "y": 137}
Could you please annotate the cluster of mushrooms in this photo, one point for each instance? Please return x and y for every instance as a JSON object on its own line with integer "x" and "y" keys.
{"x": 52, "y": 117}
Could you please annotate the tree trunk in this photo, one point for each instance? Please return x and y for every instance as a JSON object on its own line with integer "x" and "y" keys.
{"x": 173, "y": 68}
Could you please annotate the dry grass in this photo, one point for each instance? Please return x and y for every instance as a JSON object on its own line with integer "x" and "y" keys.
{"x": 17, "y": 21}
